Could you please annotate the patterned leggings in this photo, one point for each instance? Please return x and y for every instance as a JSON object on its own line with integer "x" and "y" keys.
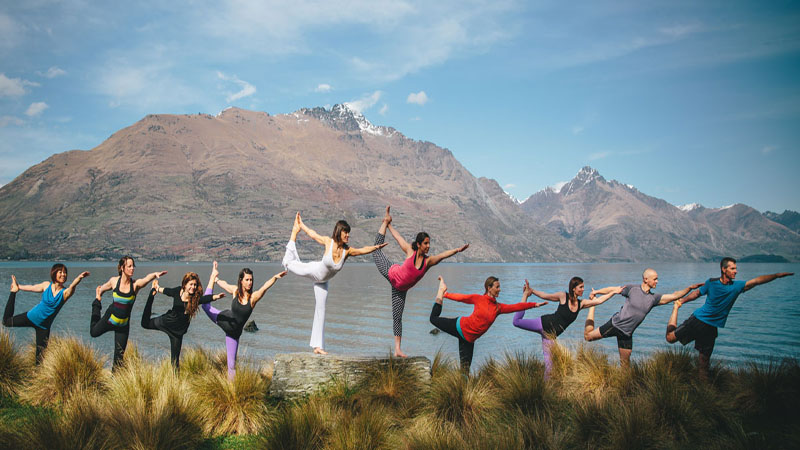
{"x": 398, "y": 297}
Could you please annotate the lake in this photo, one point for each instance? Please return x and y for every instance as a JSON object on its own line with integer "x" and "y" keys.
{"x": 761, "y": 326}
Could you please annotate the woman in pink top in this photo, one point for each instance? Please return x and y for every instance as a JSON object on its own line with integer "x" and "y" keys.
{"x": 403, "y": 277}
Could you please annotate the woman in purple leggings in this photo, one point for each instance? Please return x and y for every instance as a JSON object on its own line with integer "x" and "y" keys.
{"x": 232, "y": 320}
{"x": 551, "y": 325}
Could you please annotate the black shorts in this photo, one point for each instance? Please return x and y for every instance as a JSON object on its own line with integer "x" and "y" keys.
{"x": 703, "y": 334}
{"x": 623, "y": 340}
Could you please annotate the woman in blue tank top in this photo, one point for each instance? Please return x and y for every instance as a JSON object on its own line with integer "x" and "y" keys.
{"x": 41, "y": 316}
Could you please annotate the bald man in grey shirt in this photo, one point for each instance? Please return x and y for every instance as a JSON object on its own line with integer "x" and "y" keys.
{"x": 640, "y": 300}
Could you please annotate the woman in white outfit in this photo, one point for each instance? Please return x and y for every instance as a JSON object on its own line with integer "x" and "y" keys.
{"x": 336, "y": 252}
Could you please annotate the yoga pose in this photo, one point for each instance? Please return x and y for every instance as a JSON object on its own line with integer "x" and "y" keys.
{"x": 118, "y": 313}
{"x": 175, "y": 322}
{"x": 640, "y": 300}
{"x": 336, "y": 252}
{"x": 41, "y": 316}
{"x": 701, "y": 326}
{"x": 551, "y": 325}
{"x": 403, "y": 277}
{"x": 244, "y": 300}
{"x": 468, "y": 329}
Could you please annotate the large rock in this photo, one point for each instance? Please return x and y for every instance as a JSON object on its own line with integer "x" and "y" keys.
{"x": 298, "y": 374}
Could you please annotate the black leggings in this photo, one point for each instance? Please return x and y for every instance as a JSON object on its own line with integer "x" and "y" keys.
{"x": 21, "y": 320}
{"x": 448, "y": 325}
{"x": 175, "y": 341}
{"x": 99, "y": 326}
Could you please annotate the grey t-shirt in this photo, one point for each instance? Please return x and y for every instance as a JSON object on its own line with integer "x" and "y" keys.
{"x": 635, "y": 309}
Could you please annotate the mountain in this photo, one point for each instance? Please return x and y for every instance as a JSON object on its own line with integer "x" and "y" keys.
{"x": 789, "y": 219}
{"x": 615, "y": 221}
{"x": 197, "y": 187}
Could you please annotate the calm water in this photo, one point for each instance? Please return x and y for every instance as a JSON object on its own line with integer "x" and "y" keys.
{"x": 762, "y": 324}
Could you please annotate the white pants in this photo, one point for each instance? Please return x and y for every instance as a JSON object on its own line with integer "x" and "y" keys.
{"x": 318, "y": 328}
{"x": 313, "y": 270}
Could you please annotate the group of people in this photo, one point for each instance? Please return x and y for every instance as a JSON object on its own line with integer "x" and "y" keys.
{"x": 701, "y": 327}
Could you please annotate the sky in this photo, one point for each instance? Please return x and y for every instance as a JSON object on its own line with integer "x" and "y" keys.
{"x": 691, "y": 102}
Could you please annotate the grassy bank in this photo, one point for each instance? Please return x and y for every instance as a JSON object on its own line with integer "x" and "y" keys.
{"x": 71, "y": 401}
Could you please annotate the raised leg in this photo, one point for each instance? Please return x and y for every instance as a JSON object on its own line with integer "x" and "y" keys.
{"x": 590, "y": 333}
{"x": 147, "y": 321}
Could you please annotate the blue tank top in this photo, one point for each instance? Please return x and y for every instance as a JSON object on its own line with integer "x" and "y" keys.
{"x": 42, "y": 315}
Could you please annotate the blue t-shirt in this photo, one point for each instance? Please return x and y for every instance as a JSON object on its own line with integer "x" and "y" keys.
{"x": 45, "y": 311}
{"x": 719, "y": 301}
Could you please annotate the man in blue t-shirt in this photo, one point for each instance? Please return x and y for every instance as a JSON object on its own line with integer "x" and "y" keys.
{"x": 701, "y": 326}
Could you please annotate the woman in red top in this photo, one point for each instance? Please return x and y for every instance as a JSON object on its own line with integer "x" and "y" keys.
{"x": 468, "y": 329}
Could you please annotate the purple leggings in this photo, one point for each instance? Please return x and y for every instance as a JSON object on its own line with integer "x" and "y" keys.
{"x": 231, "y": 344}
{"x": 535, "y": 325}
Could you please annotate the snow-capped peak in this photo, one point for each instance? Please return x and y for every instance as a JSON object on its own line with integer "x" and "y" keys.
{"x": 345, "y": 109}
{"x": 513, "y": 199}
{"x": 689, "y": 207}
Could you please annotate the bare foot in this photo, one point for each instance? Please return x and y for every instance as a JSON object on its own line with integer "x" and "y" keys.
{"x": 295, "y": 227}
{"x": 399, "y": 353}
{"x": 387, "y": 219}
{"x": 98, "y": 295}
{"x": 14, "y": 285}
{"x": 320, "y": 351}
{"x": 441, "y": 291}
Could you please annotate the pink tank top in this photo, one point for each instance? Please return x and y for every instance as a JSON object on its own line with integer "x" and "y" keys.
{"x": 404, "y": 277}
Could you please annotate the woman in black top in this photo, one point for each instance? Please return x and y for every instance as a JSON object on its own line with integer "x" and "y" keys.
{"x": 175, "y": 322}
{"x": 551, "y": 325}
{"x": 244, "y": 300}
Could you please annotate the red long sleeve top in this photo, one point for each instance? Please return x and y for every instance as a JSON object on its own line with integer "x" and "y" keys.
{"x": 486, "y": 309}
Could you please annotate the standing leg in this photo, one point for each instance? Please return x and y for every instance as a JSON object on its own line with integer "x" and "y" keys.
{"x": 232, "y": 345}
{"x": 318, "y": 327}
{"x": 175, "y": 343}
{"x": 465, "y": 349}
{"x": 42, "y": 336}
{"x": 547, "y": 345}
{"x": 398, "y": 304}
{"x": 625, "y": 357}
{"x": 120, "y": 344}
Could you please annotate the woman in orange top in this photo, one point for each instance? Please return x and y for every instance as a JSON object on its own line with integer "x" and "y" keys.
{"x": 468, "y": 329}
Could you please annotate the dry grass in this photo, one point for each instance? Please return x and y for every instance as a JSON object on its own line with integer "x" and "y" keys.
{"x": 14, "y": 367}
{"x": 228, "y": 407}
{"x": 69, "y": 367}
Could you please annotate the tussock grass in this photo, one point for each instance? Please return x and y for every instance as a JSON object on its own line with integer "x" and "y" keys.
{"x": 519, "y": 384}
{"x": 461, "y": 399}
{"x": 69, "y": 367}
{"x": 228, "y": 407}
{"x": 198, "y": 360}
{"x": 367, "y": 429}
{"x": 151, "y": 407}
{"x": 304, "y": 425}
{"x": 14, "y": 367}
{"x": 389, "y": 385}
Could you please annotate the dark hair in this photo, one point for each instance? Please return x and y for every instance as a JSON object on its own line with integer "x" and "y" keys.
{"x": 337, "y": 231}
{"x": 725, "y": 261}
{"x": 121, "y": 263}
{"x": 489, "y": 283}
{"x": 574, "y": 282}
{"x": 194, "y": 300}
{"x": 418, "y": 240}
{"x": 239, "y": 291}
{"x": 53, "y": 270}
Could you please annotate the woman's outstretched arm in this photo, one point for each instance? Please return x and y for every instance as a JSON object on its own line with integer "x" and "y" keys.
{"x": 311, "y": 233}
{"x": 365, "y": 250}
{"x": 263, "y": 290}
{"x": 142, "y": 282}
{"x": 436, "y": 259}
{"x": 68, "y": 292}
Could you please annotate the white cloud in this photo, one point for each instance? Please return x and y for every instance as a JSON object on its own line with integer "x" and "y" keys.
{"x": 509, "y": 186}
{"x": 768, "y": 149}
{"x": 557, "y": 187}
{"x": 10, "y": 120}
{"x": 680, "y": 30}
{"x": 416, "y": 119}
{"x": 52, "y": 72}
{"x": 10, "y": 32}
{"x": 599, "y": 155}
{"x": 14, "y": 87}
{"x": 323, "y": 88}
{"x": 246, "y": 91}
{"x": 577, "y": 129}
{"x": 365, "y": 102}
{"x": 36, "y": 109}
{"x": 384, "y": 109}
{"x": 420, "y": 98}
